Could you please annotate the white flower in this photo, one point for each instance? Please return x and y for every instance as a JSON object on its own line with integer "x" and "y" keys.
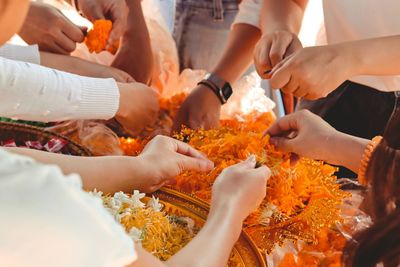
{"x": 135, "y": 234}
{"x": 96, "y": 193}
{"x": 190, "y": 223}
{"x": 155, "y": 204}
{"x": 135, "y": 199}
{"x": 123, "y": 198}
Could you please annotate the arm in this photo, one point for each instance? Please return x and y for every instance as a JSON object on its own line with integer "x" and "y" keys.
{"x": 135, "y": 55}
{"x": 211, "y": 247}
{"x": 376, "y": 56}
{"x": 307, "y": 135}
{"x": 285, "y": 15}
{"x": 237, "y": 192}
{"x": 201, "y": 109}
{"x": 120, "y": 173}
{"x": 82, "y": 67}
{"x": 238, "y": 53}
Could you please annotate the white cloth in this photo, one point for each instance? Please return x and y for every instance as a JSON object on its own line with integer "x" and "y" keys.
{"x": 361, "y": 19}
{"x": 32, "y": 92}
{"x": 249, "y": 13}
{"x": 28, "y": 53}
{"x": 348, "y": 21}
{"x": 47, "y": 220}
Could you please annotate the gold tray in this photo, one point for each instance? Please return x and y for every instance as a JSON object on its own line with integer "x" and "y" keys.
{"x": 183, "y": 204}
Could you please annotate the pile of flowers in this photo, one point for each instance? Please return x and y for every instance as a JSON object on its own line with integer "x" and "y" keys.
{"x": 156, "y": 231}
{"x": 302, "y": 203}
{"x": 97, "y": 38}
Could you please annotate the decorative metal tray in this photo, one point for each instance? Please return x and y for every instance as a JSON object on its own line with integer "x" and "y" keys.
{"x": 244, "y": 253}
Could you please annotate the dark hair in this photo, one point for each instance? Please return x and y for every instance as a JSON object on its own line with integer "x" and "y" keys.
{"x": 380, "y": 243}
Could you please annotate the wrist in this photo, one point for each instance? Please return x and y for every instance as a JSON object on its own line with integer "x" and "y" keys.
{"x": 209, "y": 95}
{"x": 351, "y": 60}
{"x": 227, "y": 212}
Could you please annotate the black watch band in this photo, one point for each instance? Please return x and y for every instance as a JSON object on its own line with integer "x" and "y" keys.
{"x": 220, "y": 87}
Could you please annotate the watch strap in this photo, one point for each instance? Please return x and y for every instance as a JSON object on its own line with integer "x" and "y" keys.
{"x": 213, "y": 88}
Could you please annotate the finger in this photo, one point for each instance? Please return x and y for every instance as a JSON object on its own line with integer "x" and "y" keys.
{"x": 262, "y": 61}
{"x": 294, "y": 159}
{"x": 283, "y": 125}
{"x": 95, "y": 13}
{"x": 300, "y": 92}
{"x": 72, "y": 31}
{"x": 195, "y": 164}
{"x": 195, "y": 124}
{"x": 280, "y": 76}
{"x": 179, "y": 121}
{"x": 262, "y": 172}
{"x": 283, "y": 144}
{"x": 119, "y": 22}
{"x": 294, "y": 46}
{"x": 65, "y": 43}
{"x": 291, "y": 86}
{"x": 278, "y": 49}
{"x": 249, "y": 163}
{"x": 187, "y": 150}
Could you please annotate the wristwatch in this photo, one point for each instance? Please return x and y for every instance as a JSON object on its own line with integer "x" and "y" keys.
{"x": 220, "y": 87}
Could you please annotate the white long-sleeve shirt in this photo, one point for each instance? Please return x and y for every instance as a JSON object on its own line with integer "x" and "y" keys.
{"x": 344, "y": 21}
{"x": 32, "y": 92}
{"x": 47, "y": 220}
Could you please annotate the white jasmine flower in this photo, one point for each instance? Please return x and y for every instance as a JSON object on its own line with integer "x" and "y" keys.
{"x": 96, "y": 193}
{"x": 135, "y": 199}
{"x": 155, "y": 204}
{"x": 135, "y": 234}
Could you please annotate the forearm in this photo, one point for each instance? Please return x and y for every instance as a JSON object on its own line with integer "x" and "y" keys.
{"x": 238, "y": 53}
{"x": 346, "y": 150}
{"x": 377, "y": 56}
{"x": 136, "y": 40}
{"x": 213, "y": 244}
{"x": 282, "y": 15}
{"x": 66, "y": 63}
{"x": 103, "y": 173}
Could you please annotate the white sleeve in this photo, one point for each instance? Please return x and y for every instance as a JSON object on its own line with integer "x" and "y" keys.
{"x": 28, "y": 53}
{"x": 47, "y": 220}
{"x": 249, "y": 13}
{"x": 32, "y": 92}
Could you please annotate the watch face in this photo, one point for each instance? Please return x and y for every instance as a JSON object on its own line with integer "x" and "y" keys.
{"x": 226, "y": 91}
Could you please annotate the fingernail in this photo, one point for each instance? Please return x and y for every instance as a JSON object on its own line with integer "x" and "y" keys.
{"x": 267, "y": 71}
{"x": 252, "y": 159}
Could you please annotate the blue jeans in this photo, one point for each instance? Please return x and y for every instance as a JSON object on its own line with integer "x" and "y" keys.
{"x": 201, "y": 31}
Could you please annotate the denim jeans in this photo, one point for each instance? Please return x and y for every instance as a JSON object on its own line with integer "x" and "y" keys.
{"x": 201, "y": 31}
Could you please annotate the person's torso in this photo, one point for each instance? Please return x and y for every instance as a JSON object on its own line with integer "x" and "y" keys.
{"x": 349, "y": 20}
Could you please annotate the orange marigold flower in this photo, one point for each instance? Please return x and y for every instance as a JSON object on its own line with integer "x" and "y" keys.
{"x": 97, "y": 38}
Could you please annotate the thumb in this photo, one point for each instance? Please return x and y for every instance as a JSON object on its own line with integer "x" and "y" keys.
{"x": 95, "y": 13}
{"x": 283, "y": 144}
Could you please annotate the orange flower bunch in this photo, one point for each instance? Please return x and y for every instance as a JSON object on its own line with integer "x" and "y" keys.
{"x": 302, "y": 201}
{"x": 97, "y": 38}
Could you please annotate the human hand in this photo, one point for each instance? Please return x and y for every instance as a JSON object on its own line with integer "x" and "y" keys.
{"x": 313, "y": 72}
{"x": 272, "y": 49}
{"x": 115, "y": 10}
{"x": 46, "y": 26}
{"x": 164, "y": 158}
{"x": 201, "y": 109}
{"x": 138, "y": 107}
{"x": 241, "y": 185}
{"x": 305, "y": 134}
